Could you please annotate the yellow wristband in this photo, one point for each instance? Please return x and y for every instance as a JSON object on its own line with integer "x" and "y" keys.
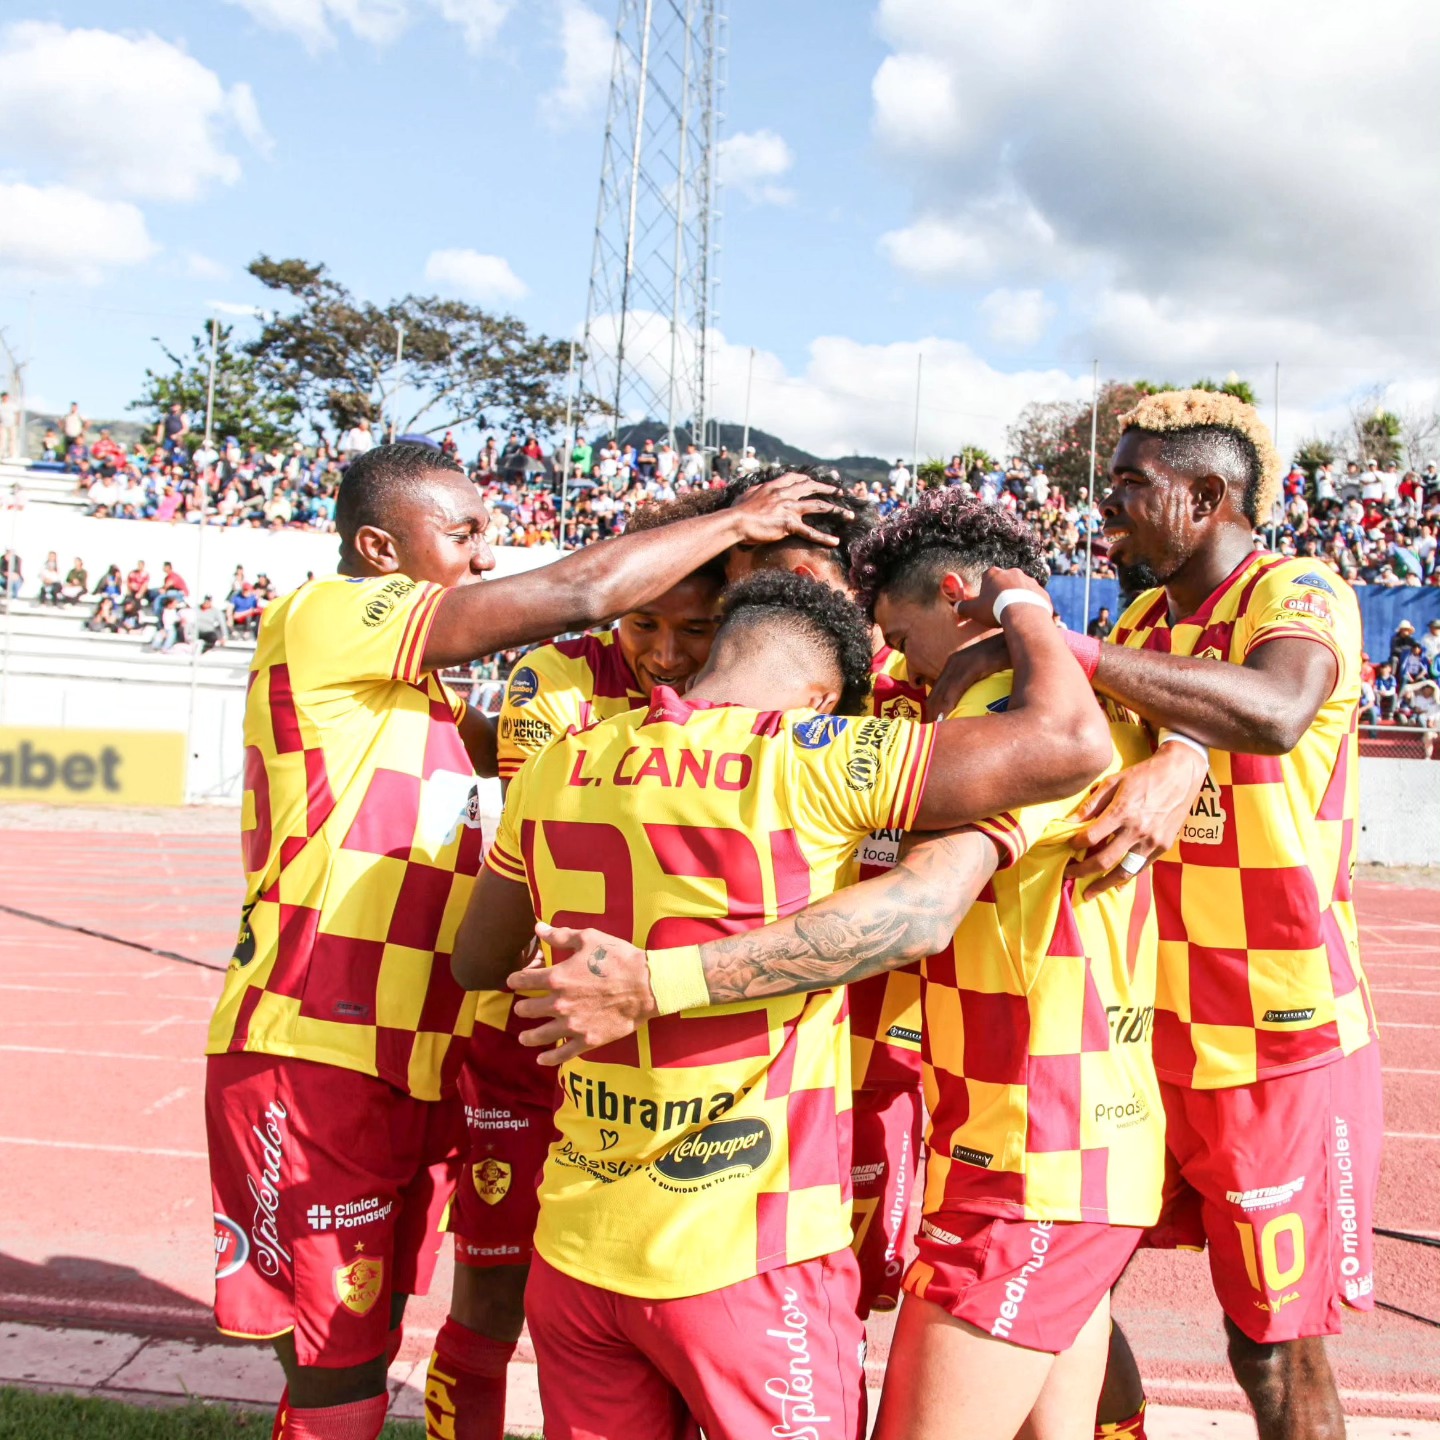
{"x": 678, "y": 979}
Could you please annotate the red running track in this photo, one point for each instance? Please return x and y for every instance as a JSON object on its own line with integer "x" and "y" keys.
{"x": 106, "y": 1213}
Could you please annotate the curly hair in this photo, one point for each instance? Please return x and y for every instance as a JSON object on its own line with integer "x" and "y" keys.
{"x": 814, "y": 610}
{"x": 848, "y": 530}
{"x": 1207, "y": 430}
{"x": 374, "y": 483}
{"x": 656, "y": 514}
{"x": 943, "y": 530}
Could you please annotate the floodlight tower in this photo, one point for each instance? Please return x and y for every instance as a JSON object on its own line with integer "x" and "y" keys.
{"x": 650, "y": 310}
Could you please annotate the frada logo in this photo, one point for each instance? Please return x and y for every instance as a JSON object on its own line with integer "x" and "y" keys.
{"x": 725, "y": 1145}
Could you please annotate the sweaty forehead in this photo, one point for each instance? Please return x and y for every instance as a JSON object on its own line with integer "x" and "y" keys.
{"x": 1139, "y": 450}
{"x": 447, "y": 497}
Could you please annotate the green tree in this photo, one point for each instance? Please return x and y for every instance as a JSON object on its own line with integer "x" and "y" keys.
{"x": 1240, "y": 389}
{"x": 930, "y": 474}
{"x": 245, "y": 406}
{"x": 460, "y": 365}
{"x": 1313, "y": 453}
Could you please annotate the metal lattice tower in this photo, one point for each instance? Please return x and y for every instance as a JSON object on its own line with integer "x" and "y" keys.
{"x": 650, "y": 311}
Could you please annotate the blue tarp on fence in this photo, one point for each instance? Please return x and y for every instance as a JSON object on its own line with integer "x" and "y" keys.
{"x": 1381, "y": 610}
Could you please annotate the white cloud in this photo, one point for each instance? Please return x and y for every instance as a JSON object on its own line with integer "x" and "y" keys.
{"x": 587, "y": 42}
{"x": 752, "y": 161}
{"x": 486, "y": 278}
{"x": 118, "y": 115}
{"x": 852, "y": 398}
{"x": 1060, "y": 146}
{"x": 202, "y": 267}
{"x": 56, "y": 232}
{"x": 315, "y": 22}
{"x": 1016, "y": 317}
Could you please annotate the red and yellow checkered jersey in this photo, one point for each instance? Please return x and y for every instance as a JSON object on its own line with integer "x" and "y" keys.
{"x": 885, "y": 1009}
{"x": 1259, "y": 955}
{"x": 361, "y": 839}
{"x": 711, "y": 1145}
{"x": 555, "y": 690}
{"x": 563, "y": 687}
{"x": 1038, "y": 1077}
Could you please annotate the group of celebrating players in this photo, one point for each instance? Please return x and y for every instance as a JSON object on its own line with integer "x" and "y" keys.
{"x": 1088, "y": 944}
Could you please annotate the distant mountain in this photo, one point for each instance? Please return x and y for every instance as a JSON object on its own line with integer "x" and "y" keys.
{"x": 767, "y": 447}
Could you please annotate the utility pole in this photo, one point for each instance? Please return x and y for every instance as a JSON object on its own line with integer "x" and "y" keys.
{"x": 1087, "y": 515}
{"x": 650, "y": 308}
{"x": 915, "y": 433}
{"x": 210, "y": 384}
{"x": 395, "y": 394}
{"x": 749, "y": 381}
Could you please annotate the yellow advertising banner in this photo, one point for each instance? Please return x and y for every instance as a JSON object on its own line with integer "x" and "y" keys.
{"x": 91, "y": 767}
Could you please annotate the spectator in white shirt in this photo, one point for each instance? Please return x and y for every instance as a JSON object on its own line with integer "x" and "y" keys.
{"x": 356, "y": 441}
{"x": 692, "y": 467}
{"x": 9, "y": 427}
{"x": 899, "y": 477}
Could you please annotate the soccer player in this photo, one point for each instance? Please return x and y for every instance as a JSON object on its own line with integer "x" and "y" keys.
{"x": 509, "y": 1100}
{"x": 1046, "y": 1139}
{"x": 885, "y": 1008}
{"x": 692, "y": 1250}
{"x": 1264, "y": 1036}
{"x": 334, "y": 1049}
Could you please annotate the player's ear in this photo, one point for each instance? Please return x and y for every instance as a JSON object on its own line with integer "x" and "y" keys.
{"x": 954, "y": 589}
{"x": 378, "y": 549}
{"x": 1207, "y": 494}
{"x": 825, "y": 701}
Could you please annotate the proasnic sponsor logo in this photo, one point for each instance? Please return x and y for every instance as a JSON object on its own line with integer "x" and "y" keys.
{"x": 1134, "y": 1111}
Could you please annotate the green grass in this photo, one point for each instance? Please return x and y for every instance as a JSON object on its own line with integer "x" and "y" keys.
{"x": 25, "y": 1415}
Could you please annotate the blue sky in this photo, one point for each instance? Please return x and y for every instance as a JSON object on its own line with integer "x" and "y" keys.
{"x": 1008, "y": 191}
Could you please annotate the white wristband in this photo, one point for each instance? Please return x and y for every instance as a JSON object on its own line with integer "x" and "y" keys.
{"x": 1006, "y": 598}
{"x": 1167, "y": 736}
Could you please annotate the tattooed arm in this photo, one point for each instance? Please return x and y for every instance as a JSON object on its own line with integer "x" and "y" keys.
{"x": 601, "y": 991}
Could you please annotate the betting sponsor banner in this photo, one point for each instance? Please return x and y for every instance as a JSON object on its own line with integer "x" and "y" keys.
{"x": 92, "y": 767}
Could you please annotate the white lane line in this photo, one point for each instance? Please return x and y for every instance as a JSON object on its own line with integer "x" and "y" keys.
{"x": 86, "y": 1022}
{"x": 163, "y": 1024}
{"x": 1410, "y": 1135}
{"x": 1401, "y": 1070}
{"x": 1394, "y": 990}
{"x": 63, "y": 990}
{"x": 87, "y": 1146}
{"x": 178, "y": 1093}
{"x": 100, "y": 1054}
{"x": 1407, "y": 1025}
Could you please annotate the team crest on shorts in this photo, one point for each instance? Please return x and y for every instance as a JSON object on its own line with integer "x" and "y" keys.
{"x": 358, "y": 1283}
{"x": 492, "y": 1180}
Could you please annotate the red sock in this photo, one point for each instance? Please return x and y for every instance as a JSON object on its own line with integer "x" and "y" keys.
{"x": 465, "y": 1387}
{"x": 1131, "y": 1429}
{"x": 362, "y": 1420}
{"x": 282, "y": 1410}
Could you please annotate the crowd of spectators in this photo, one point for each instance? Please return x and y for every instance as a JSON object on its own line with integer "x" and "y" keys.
{"x": 1372, "y": 523}
{"x": 137, "y": 603}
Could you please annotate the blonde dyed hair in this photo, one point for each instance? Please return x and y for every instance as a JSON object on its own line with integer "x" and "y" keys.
{"x": 1174, "y": 410}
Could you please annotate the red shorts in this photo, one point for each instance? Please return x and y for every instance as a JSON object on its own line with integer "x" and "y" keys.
{"x": 1280, "y": 1178}
{"x": 328, "y": 1187}
{"x": 507, "y": 1136}
{"x": 1032, "y": 1282}
{"x": 882, "y": 1176}
{"x": 779, "y": 1354}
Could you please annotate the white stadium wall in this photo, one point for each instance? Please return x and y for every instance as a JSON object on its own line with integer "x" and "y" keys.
{"x": 284, "y": 555}
{"x": 1399, "y": 812}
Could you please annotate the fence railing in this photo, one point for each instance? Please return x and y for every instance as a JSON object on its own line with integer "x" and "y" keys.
{"x": 1385, "y": 739}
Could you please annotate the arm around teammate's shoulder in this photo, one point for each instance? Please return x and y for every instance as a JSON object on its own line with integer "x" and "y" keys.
{"x": 1051, "y": 740}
